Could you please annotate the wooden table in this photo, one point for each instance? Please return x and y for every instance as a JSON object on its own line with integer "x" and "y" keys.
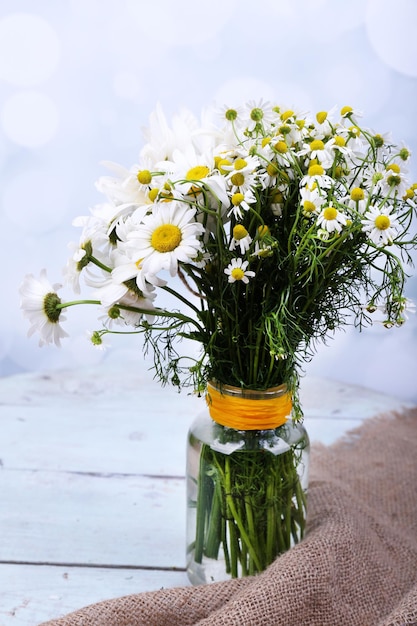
{"x": 92, "y": 490}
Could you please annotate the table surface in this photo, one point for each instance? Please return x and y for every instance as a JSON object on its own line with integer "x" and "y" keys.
{"x": 92, "y": 487}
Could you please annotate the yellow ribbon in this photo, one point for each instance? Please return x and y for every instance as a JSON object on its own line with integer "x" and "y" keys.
{"x": 247, "y": 409}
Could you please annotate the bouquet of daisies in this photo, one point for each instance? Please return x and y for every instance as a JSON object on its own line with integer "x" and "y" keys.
{"x": 267, "y": 227}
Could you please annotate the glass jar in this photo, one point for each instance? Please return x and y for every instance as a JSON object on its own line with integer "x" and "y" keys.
{"x": 246, "y": 491}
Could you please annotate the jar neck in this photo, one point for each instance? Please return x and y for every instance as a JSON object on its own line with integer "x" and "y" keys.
{"x": 247, "y": 409}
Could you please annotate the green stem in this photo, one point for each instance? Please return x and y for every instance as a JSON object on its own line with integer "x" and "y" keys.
{"x": 236, "y": 517}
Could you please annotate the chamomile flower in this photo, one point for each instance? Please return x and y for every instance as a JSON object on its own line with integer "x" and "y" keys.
{"x": 311, "y": 201}
{"x": 123, "y": 312}
{"x": 357, "y": 199}
{"x": 316, "y": 176}
{"x": 236, "y": 271}
{"x": 41, "y": 305}
{"x": 126, "y": 187}
{"x": 240, "y": 203}
{"x": 258, "y": 114}
{"x": 230, "y": 114}
{"x": 348, "y": 113}
{"x": 324, "y": 123}
{"x": 240, "y": 238}
{"x": 394, "y": 180}
{"x": 319, "y": 151}
{"x": 331, "y": 219}
{"x": 380, "y": 225}
{"x": 168, "y": 236}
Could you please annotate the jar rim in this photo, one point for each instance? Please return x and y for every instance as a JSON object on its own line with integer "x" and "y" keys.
{"x": 250, "y": 394}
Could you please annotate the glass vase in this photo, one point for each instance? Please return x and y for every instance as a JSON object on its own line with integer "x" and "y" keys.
{"x": 246, "y": 493}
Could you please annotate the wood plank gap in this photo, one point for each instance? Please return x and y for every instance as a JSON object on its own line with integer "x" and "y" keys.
{"x": 47, "y": 470}
{"x": 157, "y": 568}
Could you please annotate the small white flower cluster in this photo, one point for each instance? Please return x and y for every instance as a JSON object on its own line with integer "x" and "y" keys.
{"x": 213, "y": 193}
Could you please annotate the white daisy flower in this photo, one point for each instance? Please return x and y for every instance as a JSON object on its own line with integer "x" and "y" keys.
{"x": 258, "y": 113}
{"x": 316, "y": 176}
{"x": 116, "y": 315}
{"x": 356, "y": 200}
{"x": 394, "y": 180}
{"x": 236, "y": 271}
{"x": 349, "y": 113}
{"x": 228, "y": 114}
{"x": 380, "y": 225}
{"x": 323, "y": 125}
{"x": 245, "y": 164}
{"x": 262, "y": 250}
{"x": 311, "y": 201}
{"x": 40, "y": 304}
{"x": 331, "y": 220}
{"x": 166, "y": 237}
{"x": 318, "y": 150}
{"x": 240, "y": 238}
{"x": 129, "y": 186}
{"x": 75, "y": 265}
{"x": 240, "y": 203}
{"x": 407, "y": 306}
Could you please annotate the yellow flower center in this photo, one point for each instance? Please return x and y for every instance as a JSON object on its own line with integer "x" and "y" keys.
{"x": 357, "y": 194}
{"x": 265, "y": 141}
{"x": 237, "y": 179}
{"x": 330, "y": 213}
{"x": 281, "y": 147}
{"x": 237, "y": 198}
{"x": 263, "y": 230}
{"x": 354, "y": 131}
{"x": 197, "y": 173}
{"x": 382, "y": 222}
{"x": 309, "y": 206}
{"x": 166, "y": 238}
{"x": 321, "y": 116}
{"x": 239, "y": 164}
{"x": 237, "y": 273}
{"x": 317, "y": 144}
{"x": 345, "y": 110}
{"x": 394, "y": 167}
{"x": 239, "y": 232}
{"x": 339, "y": 141}
{"x": 286, "y": 114}
{"x": 152, "y": 195}
{"x": 144, "y": 177}
{"x": 272, "y": 169}
{"x": 277, "y": 197}
{"x": 409, "y": 194}
{"x": 315, "y": 170}
{"x": 220, "y": 165}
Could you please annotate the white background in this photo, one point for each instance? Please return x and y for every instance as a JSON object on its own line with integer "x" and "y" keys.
{"x": 79, "y": 78}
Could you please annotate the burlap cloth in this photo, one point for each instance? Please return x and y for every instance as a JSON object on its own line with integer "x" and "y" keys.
{"x": 356, "y": 566}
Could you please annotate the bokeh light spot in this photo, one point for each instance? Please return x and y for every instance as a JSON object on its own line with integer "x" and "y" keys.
{"x": 183, "y": 22}
{"x": 393, "y": 35}
{"x": 29, "y": 49}
{"x": 29, "y": 118}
